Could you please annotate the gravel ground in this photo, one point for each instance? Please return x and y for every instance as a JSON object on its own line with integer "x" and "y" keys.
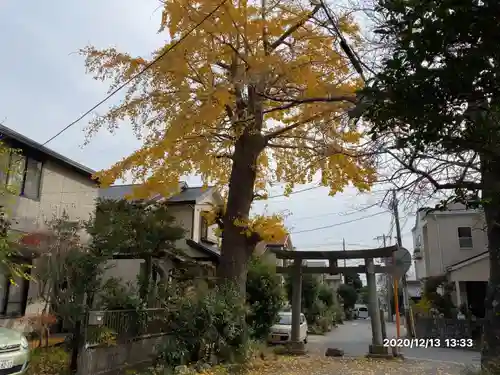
{"x": 317, "y": 365}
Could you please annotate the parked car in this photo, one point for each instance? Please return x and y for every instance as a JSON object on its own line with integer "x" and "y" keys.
{"x": 281, "y": 332}
{"x": 361, "y": 312}
{"x": 14, "y": 352}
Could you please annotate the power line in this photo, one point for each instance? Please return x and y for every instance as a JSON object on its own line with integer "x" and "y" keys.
{"x": 119, "y": 88}
{"x": 325, "y": 244}
{"x": 338, "y": 224}
{"x": 345, "y": 213}
{"x": 294, "y": 192}
{"x": 308, "y": 189}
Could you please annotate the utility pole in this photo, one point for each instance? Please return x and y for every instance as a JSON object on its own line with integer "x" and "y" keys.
{"x": 343, "y": 248}
{"x": 406, "y": 305}
{"x": 388, "y": 281}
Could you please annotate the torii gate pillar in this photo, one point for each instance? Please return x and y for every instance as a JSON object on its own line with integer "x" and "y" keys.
{"x": 295, "y": 344}
{"x": 377, "y": 344}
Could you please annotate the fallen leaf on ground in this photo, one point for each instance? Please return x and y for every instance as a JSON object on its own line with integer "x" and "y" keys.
{"x": 318, "y": 365}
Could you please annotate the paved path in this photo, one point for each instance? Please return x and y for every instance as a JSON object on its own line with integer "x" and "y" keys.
{"x": 354, "y": 337}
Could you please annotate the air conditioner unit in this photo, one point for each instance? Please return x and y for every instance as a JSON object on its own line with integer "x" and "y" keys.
{"x": 417, "y": 254}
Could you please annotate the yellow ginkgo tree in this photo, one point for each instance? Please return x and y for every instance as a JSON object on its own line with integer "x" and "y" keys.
{"x": 253, "y": 95}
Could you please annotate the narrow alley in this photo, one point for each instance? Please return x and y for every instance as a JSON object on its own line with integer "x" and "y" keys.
{"x": 353, "y": 337}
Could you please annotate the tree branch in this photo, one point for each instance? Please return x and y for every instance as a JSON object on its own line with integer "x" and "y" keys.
{"x": 290, "y": 147}
{"x": 470, "y": 185}
{"x": 327, "y": 99}
{"x": 294, "y": 28}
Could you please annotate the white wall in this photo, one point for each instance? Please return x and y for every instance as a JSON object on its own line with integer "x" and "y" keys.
{"x": 442, "y": 238}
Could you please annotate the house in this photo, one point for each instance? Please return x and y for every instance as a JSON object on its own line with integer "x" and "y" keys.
{"x": 265, "y": 250}
{"x": 200, "y": 243}
{"x": 333, "y": 281}
{"x": 48, "y": 184}
{"x": 317, "y": 264}
{"x": 454, "y": 243}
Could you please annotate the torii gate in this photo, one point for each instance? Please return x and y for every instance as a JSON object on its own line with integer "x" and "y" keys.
{"x": 297, "y": 269}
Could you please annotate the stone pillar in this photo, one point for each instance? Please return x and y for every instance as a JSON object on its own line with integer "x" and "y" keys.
{"x": 382, "y": 324}
{"x": 457, "y": 291}
{"x": 296, "y": 345}
{"x": 377, "y": 347}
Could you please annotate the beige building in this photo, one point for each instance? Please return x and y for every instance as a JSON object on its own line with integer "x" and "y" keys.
{"x": 200, "y": 242}
{"x": 453, "y": 243}
{"x": 48, "y": 184}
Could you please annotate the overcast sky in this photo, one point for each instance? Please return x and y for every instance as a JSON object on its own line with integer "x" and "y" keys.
{"x": 44, "y": 87}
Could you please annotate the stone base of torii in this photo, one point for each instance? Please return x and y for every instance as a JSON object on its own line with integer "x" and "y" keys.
{"x": 297, "y": 269}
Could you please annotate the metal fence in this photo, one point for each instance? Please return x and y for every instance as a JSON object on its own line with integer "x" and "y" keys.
{"x": 443, "y": 328}
{"x": 120, "y": 339}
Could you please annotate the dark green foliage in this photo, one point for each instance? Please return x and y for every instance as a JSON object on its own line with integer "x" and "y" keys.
{"x": 310, "y": 295}
{"x": 354, "y": 280}
{"x": 134, "y": 228}
{"x": 434, "y": 106}
{"x": 68, "y": 271}
{"x": 326, "y": 295}
{"x": 206, "y": 326}
{"x": 441, "y": 302}
{"x": 441, "y": 60}
{"x": 265, "y": 297}
{"x": 68, "y": 275}
{"x": 318, "y": 303}
{"x": 348, "y": 294}
{"x": 115, "y": 295}
{"x": 363, "y": 295}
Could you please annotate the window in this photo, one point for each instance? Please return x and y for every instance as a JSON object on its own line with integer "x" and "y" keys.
{"x": 15, "y": 296}
{"x": 204, "y": 229}
{"x": 465, "y": 237}
{"x": 285, "y": 319}
{"x": 21, "y": 174}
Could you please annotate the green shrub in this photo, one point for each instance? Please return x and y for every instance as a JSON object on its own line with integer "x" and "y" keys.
{"x": 349, "y": 297}
{"x": 326, "y": 295}
{"x": 324, "y": 323}
{"x": 337, "y": 315}
{"x": 49, "y": 361}
{"x": 116, "y": 295}
{"x": 265, "y": 297}
{"x": 206, "y": 326}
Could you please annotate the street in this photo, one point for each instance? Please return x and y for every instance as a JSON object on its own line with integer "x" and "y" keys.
{"x": 353, "y": 337}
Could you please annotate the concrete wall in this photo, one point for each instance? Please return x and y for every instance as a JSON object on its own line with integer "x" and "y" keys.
{"x": 183, "y": 214}
{"x": 61, "y": 189}
{"x": 477, "y": 271}
{"x": 440, "y": 244}
{"x": 125, "y": 269}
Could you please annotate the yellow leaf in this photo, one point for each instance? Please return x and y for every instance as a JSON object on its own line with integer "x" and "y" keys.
{"x": 226, "y": 87}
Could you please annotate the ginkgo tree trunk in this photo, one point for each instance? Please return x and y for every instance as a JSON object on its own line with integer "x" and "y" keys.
{"x": 253, "y": 95}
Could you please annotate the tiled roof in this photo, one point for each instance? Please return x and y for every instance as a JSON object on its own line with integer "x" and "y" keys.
{"x": 211, "y": 250}
{"x": 29, "y": 143}
{"x": 187, "y": 194}
{"x": 283, "y": 242}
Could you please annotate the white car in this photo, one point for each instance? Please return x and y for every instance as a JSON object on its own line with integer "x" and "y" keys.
{"x": 281, "y": 332}
{"x": 361, "y": 312}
